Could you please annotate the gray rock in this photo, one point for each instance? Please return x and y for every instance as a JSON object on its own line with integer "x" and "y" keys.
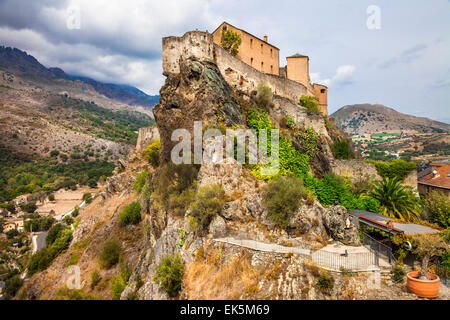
{"x": 339, "y": 225}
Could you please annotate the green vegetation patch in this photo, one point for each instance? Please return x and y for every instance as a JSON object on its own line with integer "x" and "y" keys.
{"x": 119, "y": 126}
{"x": 169, "y": 274}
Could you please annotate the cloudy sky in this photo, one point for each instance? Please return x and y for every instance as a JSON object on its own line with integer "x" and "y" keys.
{"x": 400, "y": 60}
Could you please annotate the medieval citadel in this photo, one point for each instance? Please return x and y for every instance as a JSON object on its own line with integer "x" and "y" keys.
{"x": 257, "y": 61}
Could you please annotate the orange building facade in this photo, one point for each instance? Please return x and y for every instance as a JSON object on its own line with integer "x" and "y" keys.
{"x": 254, "y": 51}
{"x": 265, "y": 57}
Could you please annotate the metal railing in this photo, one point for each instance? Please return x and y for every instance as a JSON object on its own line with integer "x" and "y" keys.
{"x": 351, "y": 261}
{"x": 379, "y": 248}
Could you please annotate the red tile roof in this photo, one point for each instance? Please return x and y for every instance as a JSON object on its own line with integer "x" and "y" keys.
{"x": 442, "y": 179}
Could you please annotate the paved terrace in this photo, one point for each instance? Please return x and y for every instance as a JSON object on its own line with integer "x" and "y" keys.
{"x": 332, "y": 257}
{"x": 265, "y": 247}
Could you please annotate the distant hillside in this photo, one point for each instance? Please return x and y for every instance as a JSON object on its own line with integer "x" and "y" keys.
{"x": 25, "y": 65}
{"x": 123, "y": 93}
{"x": 376, "y": 118}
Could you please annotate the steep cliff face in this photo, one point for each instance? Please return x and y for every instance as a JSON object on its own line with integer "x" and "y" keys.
{"x": 197, "y": 93}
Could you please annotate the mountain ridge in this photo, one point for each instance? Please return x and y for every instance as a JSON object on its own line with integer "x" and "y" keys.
{"x": 359, "y": 119}
{"x": 24, "y": 64}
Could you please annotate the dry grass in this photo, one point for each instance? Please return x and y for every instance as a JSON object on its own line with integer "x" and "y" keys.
{"x": 211, "y": 278}
{"x": 315, "y": 270}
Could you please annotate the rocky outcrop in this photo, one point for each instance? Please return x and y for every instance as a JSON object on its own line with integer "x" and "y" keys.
{"x": 339, "y": 225}
{"x": 197, "y": 93}
{"x": 119, "y": 183}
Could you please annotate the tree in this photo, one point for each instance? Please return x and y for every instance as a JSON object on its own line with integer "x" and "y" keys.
{"x": 396, "y": 201}
{"x": 231, "y": 41}
{"x": 437, "y": 206}
{"x": 53, "y": 234}
{"x": 397, "y": 168}
{"x": 29, "y": 207}
{"x": 75, "y": 212}
{"x": 169, "y": 274}
{"x": 68, "y": 220}
{"x": 428, "y": 246}
{"x": 87, "y": 197}
{"x": 12, "y": 286}
{"x": 12, "y": 233}
{"x": 11, "y": 207}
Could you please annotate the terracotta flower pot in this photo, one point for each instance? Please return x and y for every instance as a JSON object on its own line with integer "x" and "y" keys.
{"x": 423, "y": 288}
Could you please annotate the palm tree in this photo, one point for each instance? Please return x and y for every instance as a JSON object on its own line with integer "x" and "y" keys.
{"x": 397, "y": 201}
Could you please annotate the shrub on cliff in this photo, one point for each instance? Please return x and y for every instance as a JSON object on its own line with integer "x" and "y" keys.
{"x": 179, "y": 203}
{"x": 341, "y": 149}
{"x": 151, "y": 153}
{"x": 131, "y": 214}
{"x": 264, "y": 95}
{"x": 95, "y": 278}
{"x": 169, "y": 274}
{"x": 139, "y": 183}
{"x": 310, "y": 103}
{"x": 174, "y": 179}
{"x": 325, "y": 282}
{"x": 208, "y": 202}
{"x": 231, "y": 41}
{"x": 282, "y": 197}
{"x": 110, "y": 254}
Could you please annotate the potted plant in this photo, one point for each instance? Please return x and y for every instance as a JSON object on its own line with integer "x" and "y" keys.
{"x": 424, "y": 284}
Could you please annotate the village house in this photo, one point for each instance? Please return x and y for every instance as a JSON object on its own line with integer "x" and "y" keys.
{"x": 435, "y": 178}
{"x": 9, "y": 225}
{"x": 264, "y": 57}
{"x": 22, "y": 199}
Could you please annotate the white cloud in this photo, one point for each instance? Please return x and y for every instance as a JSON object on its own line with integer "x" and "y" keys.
{"x": 118, "y": 41}
{"x": 343, "y": 75}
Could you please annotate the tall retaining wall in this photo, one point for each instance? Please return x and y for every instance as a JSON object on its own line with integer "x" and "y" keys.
{"x": 145, "y": 137}
{"x": 357, "y": 169}
{"x": 236, "y": 72}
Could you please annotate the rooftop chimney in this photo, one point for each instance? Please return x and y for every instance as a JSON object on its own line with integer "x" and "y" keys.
{"x": 265, "y": 38}
{"x": 436, "y": 174}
